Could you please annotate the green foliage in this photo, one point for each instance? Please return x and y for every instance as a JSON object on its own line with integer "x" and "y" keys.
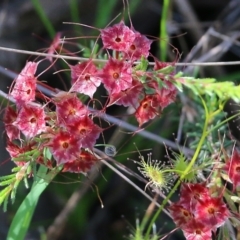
{"x": 11, "y": 182}
{"x": 90, "y": 51}
{"x": 180, "y": 163}
{"x": 137, "y": 234}
{"x": 209, "y": 86}
{"x": 142, "y": 65}
{"x": 27, "y": 156}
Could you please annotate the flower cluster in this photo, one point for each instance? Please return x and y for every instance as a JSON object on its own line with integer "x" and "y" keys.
{"x": 198, "y": 213}
{"x": 67, "y": 132}
{"x": 61, "y": 131}
{"x": 147, "y": 92}
{"x": 67, "y": 128}
{"x": 232, "y": 168}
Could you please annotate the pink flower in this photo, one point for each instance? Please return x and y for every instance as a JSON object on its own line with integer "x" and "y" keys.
{"x": 25, "y": 84}
{"x": 196, "y": 230}
{"x": 69, "y": 109}
{"x": 212, "y": 212}
{"x": 84, "y": 78}
{"x": 9, "y": 118}
{"x": 140, "y": 47}
{"x": 128, "y": 97}
{"x": 64, "y": 147}
{"x": 31, "y": 120}
{"x": 86, "y": 131}
{"x": 232, "y": 168}
{"x": 116, "y": 76}
{"x": 118, "y": 37}
{"x": 148, "y": 109}
{"x": 82, "y": 164}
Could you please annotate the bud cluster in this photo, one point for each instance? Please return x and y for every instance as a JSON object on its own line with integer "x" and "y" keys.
{"x": 68, "y": 128}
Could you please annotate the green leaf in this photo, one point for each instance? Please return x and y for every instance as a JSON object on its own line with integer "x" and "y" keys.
{"x": 15, "y": 169}
{"x": 235, "y": 199}
{"x": 27, "y": 156}
{"x": 4, "y": 193}
{"x": 167, "y": 70}
{"x": 7, "y": 182}
{"x": 142, "y": 65}
{"x": 5, "y": 203}
{"x": 47, "y": 155}
{"x": 14, "y": 190}
{"x": 209, "y": 86}
{"x": 26, "y": 182}
{"x": 10, "y": 176}
{"x": 23, "y": 216}
{"x": 44, "y": 18}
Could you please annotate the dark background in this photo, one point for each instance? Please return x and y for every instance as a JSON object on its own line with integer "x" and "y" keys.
{"x": 195, "y": 27}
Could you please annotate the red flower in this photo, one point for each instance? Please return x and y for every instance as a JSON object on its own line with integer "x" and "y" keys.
{"x": 140, "y": 47}
{"x": 31, "y": 120}
{"x": 118, "y": 37}
{"x": 166, "y": 93}
{"x": 10, "y": 117}
{"x": 116, "y": 76}
{"x": 81, "y": 164}
{"x": 84, "y": 78}
{"x": 15, "y": 151}
{"x": 180, "y": 215}
{"x": 232, "y": 168}
{"x": 197, "y": 213}
{"x": 196, "y": 230}
{"x": 64, "y": 147}
{"x": 191, "y": 193}
{"x": 148, "y": 109}
{"x": 55, "y": 43}
{"x": 69, "y": 109}
{"x": 128, "y": 97}
{"x": 212, "y": 212}
{"x": 86, "y": 131}
{"x": 25, "y": 84}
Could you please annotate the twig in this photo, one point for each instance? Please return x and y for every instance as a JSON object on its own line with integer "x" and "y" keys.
{"x": 201, "y": 64}
{"x": 107, "y": 118}
{"x": 56, "y": 228}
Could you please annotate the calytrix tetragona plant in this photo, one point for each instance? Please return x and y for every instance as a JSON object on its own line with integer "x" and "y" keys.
{"x": 60, "y": 132}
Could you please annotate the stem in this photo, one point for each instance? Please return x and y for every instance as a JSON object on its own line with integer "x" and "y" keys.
{"x": 229, "y": 63}
{"x": 129, "y": 181}
{"x": 194, "y": 158}
{"x": 223, "y": 122}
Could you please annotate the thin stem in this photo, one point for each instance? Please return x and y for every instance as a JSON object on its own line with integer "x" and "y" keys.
{"x": 130, "y": 182}
{"x": 223, "y": 122}
{"x": 114, "y": 120}
{"x": 202, "y": 64}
